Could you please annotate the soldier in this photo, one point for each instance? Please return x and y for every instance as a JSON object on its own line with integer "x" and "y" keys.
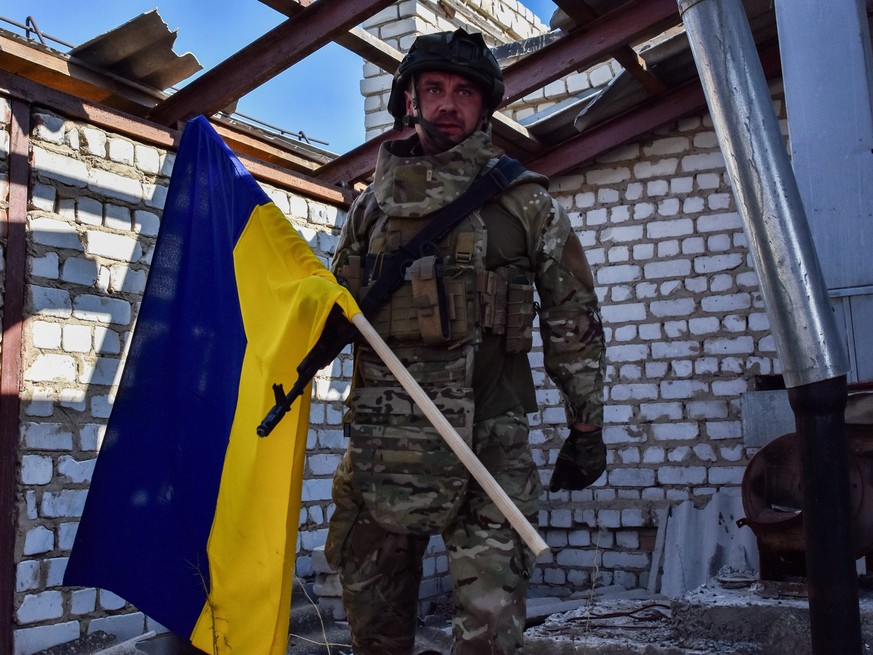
{"x": 461, "y": 322}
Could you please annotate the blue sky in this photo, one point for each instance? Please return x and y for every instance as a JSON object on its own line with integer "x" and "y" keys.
{"x": 319, "y": 96}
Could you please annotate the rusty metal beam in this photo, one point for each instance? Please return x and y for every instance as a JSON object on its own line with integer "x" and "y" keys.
{"x": 357, "y": 164}
{"x": 265, "y": 58}
{"x": 274, "y": 171}
{"x": 581, "y": 14}
{"x": 356, "y": 40}
{"x": 629, "y": 127}
{"x": 10, "y": 358}
{"x": 631, "y": 22}
{"x": 633, "y": 125}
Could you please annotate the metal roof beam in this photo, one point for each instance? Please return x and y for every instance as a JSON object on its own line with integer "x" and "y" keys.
{"x": 264, "y": 58}
{"x": 581, "y": 14}
{"x": 356, "y": 40}
{"x": 633, "y": 21}
{"x": 637, "y": 123}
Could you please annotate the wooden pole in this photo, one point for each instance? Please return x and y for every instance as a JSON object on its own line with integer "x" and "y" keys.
{"x": 518, "y": 521}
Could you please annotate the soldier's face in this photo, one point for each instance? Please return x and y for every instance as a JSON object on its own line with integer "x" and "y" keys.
{"x": 451, "y": 102}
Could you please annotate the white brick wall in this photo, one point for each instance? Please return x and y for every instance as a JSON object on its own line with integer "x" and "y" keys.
{"x": 93, "y": 220}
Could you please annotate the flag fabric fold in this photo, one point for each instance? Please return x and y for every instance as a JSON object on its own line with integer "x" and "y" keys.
{"x": 190, "y": 515}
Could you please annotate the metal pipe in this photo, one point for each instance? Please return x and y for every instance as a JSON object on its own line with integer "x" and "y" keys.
{"x": 768, "y": 199}
{"x": 814, "y": 359}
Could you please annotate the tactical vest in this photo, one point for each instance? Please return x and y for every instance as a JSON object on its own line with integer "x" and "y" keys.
{"x": 409, "y": 478}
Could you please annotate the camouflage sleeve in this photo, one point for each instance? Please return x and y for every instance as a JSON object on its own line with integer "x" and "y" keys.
{"x": 570, "y": 324}
{"x": 352, "y": 245}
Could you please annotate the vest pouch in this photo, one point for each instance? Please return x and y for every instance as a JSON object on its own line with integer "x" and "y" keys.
{"x": 396, "y": 320}
{"x": 429, "y": 298}
{"x": 410, "y": 480}
{"x": 519, "y": 315}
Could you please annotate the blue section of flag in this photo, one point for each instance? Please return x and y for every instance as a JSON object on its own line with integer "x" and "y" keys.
{"x": 149, "y": 511}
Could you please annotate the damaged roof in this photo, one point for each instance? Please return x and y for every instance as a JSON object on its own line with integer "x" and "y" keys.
{"x": 133, "y": 67}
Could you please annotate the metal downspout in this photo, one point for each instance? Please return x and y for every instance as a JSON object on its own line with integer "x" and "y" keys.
{"x": 814, "y": 360}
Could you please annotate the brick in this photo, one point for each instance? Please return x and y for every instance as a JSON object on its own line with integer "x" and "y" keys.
{"x": 323, "y": 464}
{"x": 110, "y": 601}
{"x": 38, "y": 540}
{"x": 621, "y": 560}
{"x": 36, "y": 639}
{"x": 55, "y": 233}
{"x": 729, "y": 345}
{"x": 67, "y": 534}
{"x": 101, "y": 309}
{"x": 682, "y": 475}
{"x": 606, "y": 176}
{"x": 657, "y": 187}
{"x": 147, "y": 159}
{"x": 83, "y": 601}
{"x": 661, "y": 168}
{"x": 682, "y": 388}
{"x": 615, "y": 314}
{"x": 112, "y": 246}
{"x": 576, "y": 557}
{"x": 674, "y": 430}
{"x": 623, "y": 392}
{"x": 673, "y": 268}
{"x": 74, "y": 470}
{"x": 46, "y": 335}
{"x": 678, "y": 307}
{"x": 717, "y": 263}
{"x": 48, "y": 127}
{"x": 47, "y": 266}
{"x": 155, "y": 195}
{"x": 27, "y": 575}
{"x": 66, "y": 503}
{"x": 48, "y": 368}
{"x": 36, "y": 469}
{"x": 316, "y": 489}
{"x": 660, "y": 411}
{"x": 55, "y": 569}
{"x": 631, "y": 477}
{"x": 64, "y": 169}
{"x": 726, "y": 475}
{"x": 702, "y": 161}
{"x": 146, "y": 223}
{"x": 719, "y": 222}
{"x": 724, "y": 430}
{"x": 627, "y": 353}
{"x": 72, "y": 399}
{"x": 673, "y": 349}
{"x": 79, "y": 271}
{"x": 113, "y": 185}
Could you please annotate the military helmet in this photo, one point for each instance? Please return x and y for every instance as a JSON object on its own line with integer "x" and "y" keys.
{"x": 452, "y": 52}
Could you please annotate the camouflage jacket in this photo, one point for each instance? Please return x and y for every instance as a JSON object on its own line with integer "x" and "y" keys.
{"x": 526, "y": 228}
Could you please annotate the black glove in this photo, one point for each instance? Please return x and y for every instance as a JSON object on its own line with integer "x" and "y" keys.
{"x": 581, "y": 461}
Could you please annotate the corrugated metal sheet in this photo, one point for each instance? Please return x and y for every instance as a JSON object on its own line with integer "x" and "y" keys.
{"x": 140, "y": 50}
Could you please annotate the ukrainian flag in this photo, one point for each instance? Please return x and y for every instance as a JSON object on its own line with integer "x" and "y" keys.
{"x": 191, "y": 516}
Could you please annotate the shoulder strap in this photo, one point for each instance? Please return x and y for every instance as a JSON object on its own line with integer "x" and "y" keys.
{"x": 440, "y": 224}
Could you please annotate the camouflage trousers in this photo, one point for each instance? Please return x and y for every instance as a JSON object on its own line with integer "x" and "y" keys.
{"x": 490, "y": 565}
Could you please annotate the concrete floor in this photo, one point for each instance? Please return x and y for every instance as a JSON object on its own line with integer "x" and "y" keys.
{"x": 755, "y": 619}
